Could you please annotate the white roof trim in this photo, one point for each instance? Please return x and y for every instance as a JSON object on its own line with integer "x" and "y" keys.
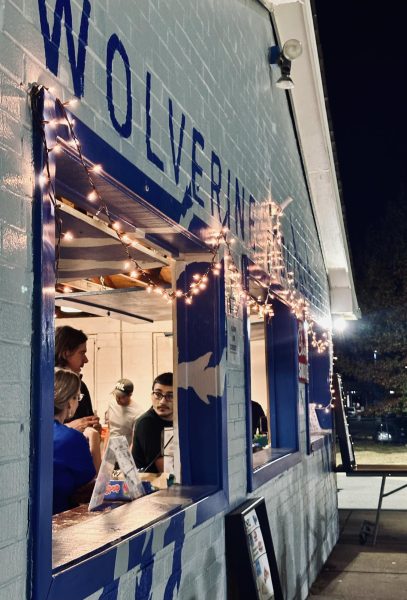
{"x": 293, "y": 19}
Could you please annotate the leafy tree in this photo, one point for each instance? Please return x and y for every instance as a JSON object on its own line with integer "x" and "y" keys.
{"x": 372, "y": 354}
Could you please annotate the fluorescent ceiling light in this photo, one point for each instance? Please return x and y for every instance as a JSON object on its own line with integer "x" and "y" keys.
{"x": 69, "y": 309}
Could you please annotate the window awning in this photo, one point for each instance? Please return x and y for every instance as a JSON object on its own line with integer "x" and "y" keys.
{"x": 89, "y": 248}
{"x": 126, "y": 207}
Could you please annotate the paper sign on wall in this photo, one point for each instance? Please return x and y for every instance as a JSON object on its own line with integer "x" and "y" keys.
{"x": 302, "y": 353}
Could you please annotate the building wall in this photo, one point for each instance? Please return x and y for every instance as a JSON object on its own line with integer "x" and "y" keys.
{"x": 15, "y": 318}
{"x": 210, "y": 59}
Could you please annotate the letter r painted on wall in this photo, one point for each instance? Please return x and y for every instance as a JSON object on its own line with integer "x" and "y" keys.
{"x": 53, "y": 42}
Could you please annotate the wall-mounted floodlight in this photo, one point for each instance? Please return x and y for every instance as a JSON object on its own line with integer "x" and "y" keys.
{"x": 339, "y": 324}
{"x": 292, "y": 49}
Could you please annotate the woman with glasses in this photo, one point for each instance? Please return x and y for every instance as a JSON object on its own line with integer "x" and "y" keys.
{"x": 76, "y": 455}
{"x": 147, "y": 439}
{"x": 70, "y": 353}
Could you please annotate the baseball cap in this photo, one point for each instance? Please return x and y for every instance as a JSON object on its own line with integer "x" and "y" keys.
{"x": 125, "y": 386}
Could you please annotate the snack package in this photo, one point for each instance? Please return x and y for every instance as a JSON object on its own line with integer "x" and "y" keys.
{"x": 117, "y": 490}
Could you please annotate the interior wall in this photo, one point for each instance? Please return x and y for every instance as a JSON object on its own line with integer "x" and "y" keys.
{"x": 119, "y": 349}
{"x": 258, "y": 373}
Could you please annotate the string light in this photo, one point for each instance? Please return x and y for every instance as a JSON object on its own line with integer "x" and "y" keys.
{"x": 274, "y": 245}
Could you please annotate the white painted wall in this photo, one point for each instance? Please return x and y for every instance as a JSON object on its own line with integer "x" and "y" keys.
{"x": 211, "y": 59}
{"x": 258, "y": 373}
{"x": 119, "y": 349}
{"x": 15, "y": 317}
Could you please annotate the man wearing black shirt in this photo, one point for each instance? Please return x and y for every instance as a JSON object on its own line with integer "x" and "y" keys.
{"x": 147, "y": 438}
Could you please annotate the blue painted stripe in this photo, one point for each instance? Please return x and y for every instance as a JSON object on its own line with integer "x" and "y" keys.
{"x": 110, "y": 592}
{"x": 85, "y": 578}
{"x": 175, "y": 533}
{"x": 42, "y": 377}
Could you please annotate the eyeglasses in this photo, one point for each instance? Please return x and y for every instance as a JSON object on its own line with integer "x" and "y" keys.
{"x": 159, "y": 396}
{"x": 78, "y": 397}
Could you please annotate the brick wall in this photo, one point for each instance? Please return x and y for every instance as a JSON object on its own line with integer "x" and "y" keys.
{"x": 210, "y": 59}
{"x": 15, "y": 321}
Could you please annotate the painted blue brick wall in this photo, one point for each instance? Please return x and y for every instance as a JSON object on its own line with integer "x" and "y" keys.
{"x": 210, "y": 59}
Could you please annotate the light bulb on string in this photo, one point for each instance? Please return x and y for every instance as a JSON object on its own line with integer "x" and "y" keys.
{"x": 93, "y": 195}
{"x": 42, "y": 180}
{"x": 216, "y": 240}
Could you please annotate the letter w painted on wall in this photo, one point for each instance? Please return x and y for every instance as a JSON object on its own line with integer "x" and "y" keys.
{"x": 52, "y": 43}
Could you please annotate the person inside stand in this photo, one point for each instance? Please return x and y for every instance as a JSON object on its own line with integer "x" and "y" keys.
{"x": 259, "y": 419}
{"x": 148, "y": 431}
{"x": 70, "y": 353}
{"x": 123, "y": 411}
{"x": 76, "y": 455}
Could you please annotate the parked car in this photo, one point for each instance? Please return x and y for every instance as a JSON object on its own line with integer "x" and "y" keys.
{"x": 381, "y": 429}
{"x": 391, "y": 433}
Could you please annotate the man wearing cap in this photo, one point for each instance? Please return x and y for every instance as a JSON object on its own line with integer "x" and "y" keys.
{"x": 123, "y": 411}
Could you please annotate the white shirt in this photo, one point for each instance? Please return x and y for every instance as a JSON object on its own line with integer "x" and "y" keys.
{"x": 122, "y": 419}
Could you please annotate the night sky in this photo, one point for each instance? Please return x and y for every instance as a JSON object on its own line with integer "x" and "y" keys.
{"x": 364, "y": 49}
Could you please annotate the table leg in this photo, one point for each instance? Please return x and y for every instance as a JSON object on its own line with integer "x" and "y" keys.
{"x": 379, "y": 508}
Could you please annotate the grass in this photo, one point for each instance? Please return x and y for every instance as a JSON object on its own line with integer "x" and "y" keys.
{"x": 375, "y": 453}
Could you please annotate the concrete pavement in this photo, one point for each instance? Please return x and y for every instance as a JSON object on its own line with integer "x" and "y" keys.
{"x": 355, "y": 571}
{"x": 363, "y": 492}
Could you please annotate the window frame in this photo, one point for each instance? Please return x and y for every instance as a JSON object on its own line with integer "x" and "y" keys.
{"x": 276, "y": 464}
{"x": 98, "y": 568}
{"x": 319, "y": 390}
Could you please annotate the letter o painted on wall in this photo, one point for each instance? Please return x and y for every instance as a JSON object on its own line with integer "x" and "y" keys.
{"x": 114, "y": 45}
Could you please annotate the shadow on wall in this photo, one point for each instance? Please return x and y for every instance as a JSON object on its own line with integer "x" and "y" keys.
{"x": 304, "y": 552}
{"x": 210, "y": 573}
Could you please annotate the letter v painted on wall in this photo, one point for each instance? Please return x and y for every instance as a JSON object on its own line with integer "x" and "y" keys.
{"x": 53, "y": 42}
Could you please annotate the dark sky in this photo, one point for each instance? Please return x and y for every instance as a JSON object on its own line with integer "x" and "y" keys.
{"x": 364, "y": 48}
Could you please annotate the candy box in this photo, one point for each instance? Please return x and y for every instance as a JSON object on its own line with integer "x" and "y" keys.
{"x": 117, "y": 489}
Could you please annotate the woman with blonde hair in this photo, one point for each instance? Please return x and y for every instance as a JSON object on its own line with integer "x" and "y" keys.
{"x": 76, "y": 455}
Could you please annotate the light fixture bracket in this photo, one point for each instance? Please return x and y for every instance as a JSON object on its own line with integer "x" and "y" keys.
{"x": 280, "y": 57}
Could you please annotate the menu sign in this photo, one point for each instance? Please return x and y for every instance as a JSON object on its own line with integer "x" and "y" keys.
{"x": 259, "y": 559}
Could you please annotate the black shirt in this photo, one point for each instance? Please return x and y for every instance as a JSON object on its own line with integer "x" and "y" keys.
{"x": 85, "y": 408}
{"x": 147, "y": 440}
{"x": 257, "y": 414}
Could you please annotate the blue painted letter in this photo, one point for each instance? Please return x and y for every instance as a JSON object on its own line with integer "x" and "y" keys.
{"x": 226, "y": 220}
{"x": 151, "y": 155}
{"x": 176, "y": 161}
{"x": 252, "y": 240}
{"x": 239, "y": 210}
{"x": 197, "y": 138}
{"x": 52, "y": 43}
{"x": 216, "y": 185}
{"x": 115, "y": 45}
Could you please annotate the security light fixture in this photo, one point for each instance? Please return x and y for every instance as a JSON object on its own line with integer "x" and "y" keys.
{"x": 291, "y": 50}
{"x": 339, "y": 324}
